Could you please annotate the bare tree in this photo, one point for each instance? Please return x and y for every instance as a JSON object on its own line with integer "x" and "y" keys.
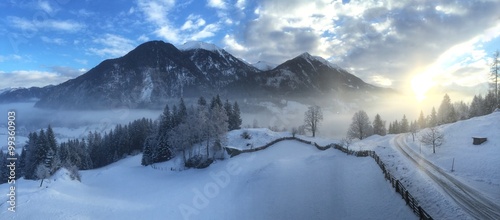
{"x": 432, "y": 137}
{"x": 312, "y": 118}
{"x": 361, "y": 127}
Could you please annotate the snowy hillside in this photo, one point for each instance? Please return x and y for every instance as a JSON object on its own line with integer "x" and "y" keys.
{"x": 289, "y": 180}
{"x": 478, "y": 165}
{"x": 445, "y": 194}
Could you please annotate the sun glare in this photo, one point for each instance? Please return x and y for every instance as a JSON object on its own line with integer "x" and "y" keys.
{"x": 421, "y": 85}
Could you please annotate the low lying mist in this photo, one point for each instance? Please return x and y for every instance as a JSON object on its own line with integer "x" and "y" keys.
{"x": 278, "y": 115}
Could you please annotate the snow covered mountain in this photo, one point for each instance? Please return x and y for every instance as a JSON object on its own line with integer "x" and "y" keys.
{"x": 156, "y": 71}
{"x": 306, "y": 75}
{"x": 223, "y": 71}
{"x": 12, "y": 95}
{"x": 149, "y": 74}
{"x": 264, "y": 66}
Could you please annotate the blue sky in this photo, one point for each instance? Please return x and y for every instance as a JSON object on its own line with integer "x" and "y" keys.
{"x": 424, "y": 45}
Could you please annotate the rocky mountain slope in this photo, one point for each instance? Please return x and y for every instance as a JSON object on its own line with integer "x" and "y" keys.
{"x": 155, "y": 72}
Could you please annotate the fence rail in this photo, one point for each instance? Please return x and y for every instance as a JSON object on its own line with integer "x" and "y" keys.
{"x": 396, "y": 184}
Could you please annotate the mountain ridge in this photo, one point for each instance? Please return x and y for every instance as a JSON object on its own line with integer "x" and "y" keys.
{"x": 156, "y": 71}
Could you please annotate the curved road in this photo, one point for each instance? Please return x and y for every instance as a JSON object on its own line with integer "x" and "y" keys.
{"x": 471, "y": 200}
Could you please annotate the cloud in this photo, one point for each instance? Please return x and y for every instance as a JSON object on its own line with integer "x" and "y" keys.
{"x": 82, "y": 61}
{"x": 45, "y": 6}
{"x": 240, "y": 4}
{"x": 195, "y": 27}
{"x": 12, "y": 57}
{"x": 395, "y": 40}
{"x": 219, "y": 4}
{"x": 45, "y": 24}
{"x": 65, "y": 71}
{"x": 193, "y": 22}
{"x": 206, "y": 32}
{"x": 111, "y": 45}
{"x": 58, "y": 41}
{"x": 143, "y": 38}
{"x": 156, "y": 12}
{"x": 29, "y": 78}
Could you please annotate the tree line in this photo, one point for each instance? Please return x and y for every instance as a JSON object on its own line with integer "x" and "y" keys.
{"x": 361, "y": 127}
{"x": 178, "y": 131}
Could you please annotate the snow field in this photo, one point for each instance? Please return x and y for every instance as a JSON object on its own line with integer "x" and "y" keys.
{"x": 289, "y": 180}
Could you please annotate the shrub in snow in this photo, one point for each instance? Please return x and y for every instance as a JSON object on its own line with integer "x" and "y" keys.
{"x": 246, "y": 135}
{"x": 198, "y": 162}
{"x": 74, "y": 174}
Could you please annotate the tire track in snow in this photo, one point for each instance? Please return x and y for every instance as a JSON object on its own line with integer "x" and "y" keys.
{"x": 471, "y": 200}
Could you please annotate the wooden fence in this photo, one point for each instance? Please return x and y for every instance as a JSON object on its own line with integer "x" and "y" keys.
{"x": 396, "y": 184}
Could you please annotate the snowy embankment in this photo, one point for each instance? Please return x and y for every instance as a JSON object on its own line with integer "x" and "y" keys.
{"x": 476, "y": 166}
{"x": 289, "y": 180}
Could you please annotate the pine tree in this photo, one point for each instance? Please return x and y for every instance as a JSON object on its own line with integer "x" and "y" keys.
{"x": 379, "y": 126}
{"x": 476, "y": 106}
{"x": 445, "y": 111}
{"x": 396, "y": 127}
{"x": 489, "y": 104}
{"x": 202, "y": 101}
{"x": 462, "y": 110}
{"x": 229, "y": 111}
{"x": 216, "y": 101}
{"x": 405, "y": 127}
{"x": 236, "y": 117}
{"x": 218, "y": 126}
{"x": 494, "y": 71}
{"x": 421, "y": 121}
{"x": 39, "y": 153}
{"x": 433, "y": 120}
{"x": 4, "y": 170}
{"x": 182, "y": 113}
{"x": 31, "y": 160}
{"x": 22, "y": 162}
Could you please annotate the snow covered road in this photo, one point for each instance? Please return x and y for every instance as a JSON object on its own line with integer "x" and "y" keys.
{"x": 470, "y": 199}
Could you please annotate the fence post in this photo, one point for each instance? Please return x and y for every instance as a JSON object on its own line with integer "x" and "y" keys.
{"x": 420, "y": 212}
{"x": 407, "y": 198}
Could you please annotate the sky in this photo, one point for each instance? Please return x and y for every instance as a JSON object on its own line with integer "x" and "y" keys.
{"x": 418, "y": 46}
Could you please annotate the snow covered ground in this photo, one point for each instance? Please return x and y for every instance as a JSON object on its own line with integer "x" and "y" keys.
{"x": 289, "y": 180}
{"x": 477, "y": 167}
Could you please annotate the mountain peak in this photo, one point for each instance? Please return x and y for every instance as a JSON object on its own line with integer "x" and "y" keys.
{"x": 305, "y": 55}
{"x": 308, "y": 56}
{"x": 264, "y": 66}
{"x": 193, "y": 45}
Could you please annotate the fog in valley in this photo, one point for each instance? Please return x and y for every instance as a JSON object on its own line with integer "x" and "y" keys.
{"x": 279, "y": 115}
